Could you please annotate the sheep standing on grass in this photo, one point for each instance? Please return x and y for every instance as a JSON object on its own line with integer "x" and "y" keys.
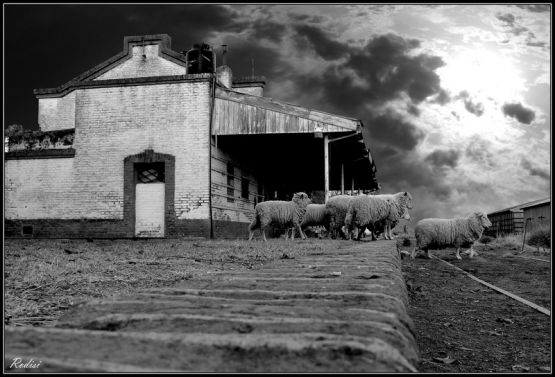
{"x": 458, "y": 232}
{"x": 289, "y": 214}
{"x": 316, "y": 215}
{"x": 337, "y": 207}
{"x": 366, "y": 210}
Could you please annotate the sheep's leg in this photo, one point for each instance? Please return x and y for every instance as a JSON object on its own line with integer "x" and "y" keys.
{"x": 262, "y": 230}
{"x": 472, "y": 252}
{"x": 303, "y": 236}
{"x": 251, "y": 233}
{"x": 360, "y": 232}
{"x": 413, "y": 254}
{"x": 428, "y": 254}
{"x": 458, "y": 253}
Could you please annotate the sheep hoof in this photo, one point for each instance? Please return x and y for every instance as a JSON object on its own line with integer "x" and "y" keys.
{"x": 459, "y": 257}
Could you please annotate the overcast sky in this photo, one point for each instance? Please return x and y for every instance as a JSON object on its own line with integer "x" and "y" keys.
{"x": 455, "y": 99}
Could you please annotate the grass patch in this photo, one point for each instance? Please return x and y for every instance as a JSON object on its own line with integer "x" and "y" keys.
{"x": 42, "y": 278}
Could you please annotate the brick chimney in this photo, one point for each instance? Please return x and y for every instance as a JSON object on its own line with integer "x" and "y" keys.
{"x": 223, "y": 72}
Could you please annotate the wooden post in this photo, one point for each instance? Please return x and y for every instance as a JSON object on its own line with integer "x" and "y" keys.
{"x": 524, "y": 237}
{"x": 353, "y": 185}
{"x": 342, "y": 179}
{"x": 326, "y": 169}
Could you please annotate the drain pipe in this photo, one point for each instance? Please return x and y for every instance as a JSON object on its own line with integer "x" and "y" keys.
{"x": 212, "y": 104}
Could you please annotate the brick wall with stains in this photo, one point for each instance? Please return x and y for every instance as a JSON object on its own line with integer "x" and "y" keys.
{"x": 112, "y": 123}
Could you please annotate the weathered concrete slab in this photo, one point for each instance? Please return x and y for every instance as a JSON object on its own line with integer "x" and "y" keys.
{"x": 322, "y": 312}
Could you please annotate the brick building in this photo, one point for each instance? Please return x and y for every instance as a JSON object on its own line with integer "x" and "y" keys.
{"x": 152, "y": 143}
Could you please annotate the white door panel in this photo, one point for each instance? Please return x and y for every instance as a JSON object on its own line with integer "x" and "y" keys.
{"x": 149, "y": 209}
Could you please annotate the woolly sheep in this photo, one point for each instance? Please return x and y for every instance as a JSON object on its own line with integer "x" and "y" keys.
{"x": 284, "y": 213}
{"x": 365, "y": 210}
{"x": 382, "y": 226}
{"x": 458, "y": 232}
{"x": 337, "y": 207}
{"x": 316, "y": 215}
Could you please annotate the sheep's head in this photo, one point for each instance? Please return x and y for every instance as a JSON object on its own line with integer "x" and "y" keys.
{"x": 406, "y": 215}
{"x": 301, "y": 198}
{"x": 483, "y": 219}
{"x": 405, "y": 197}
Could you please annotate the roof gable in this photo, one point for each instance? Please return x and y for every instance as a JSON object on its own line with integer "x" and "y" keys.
{"x": 160, "y": 60}
{"x": 143, "y": 59}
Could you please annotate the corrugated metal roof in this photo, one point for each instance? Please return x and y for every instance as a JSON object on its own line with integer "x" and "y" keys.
{"x": 242, "y": 114}
{"x": 535, "y": 203}
{"x": 519, "y": 208}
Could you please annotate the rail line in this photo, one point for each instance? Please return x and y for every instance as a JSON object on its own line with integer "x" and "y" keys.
{"x": 509, "y": 294}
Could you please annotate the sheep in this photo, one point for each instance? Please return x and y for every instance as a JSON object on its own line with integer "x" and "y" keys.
{"x": 289, "y": 214}
{"x": 365, "y": 210}
{"x": 458, "y": 232}
{"x": 381, "y": 227}
{"x": 316, "y": 215}
{"x": 337, "y": 207}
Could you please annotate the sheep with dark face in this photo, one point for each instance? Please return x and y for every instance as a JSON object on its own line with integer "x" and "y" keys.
{"x": 365, "y": 210}
{"x": 458, "y": 232}
{"x": 282, "y": 213}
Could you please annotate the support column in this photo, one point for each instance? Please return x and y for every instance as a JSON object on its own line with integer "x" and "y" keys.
{"x": 326, "y": 169}
{"x": 353, "y": 185}
{"x": 342, "y": 179}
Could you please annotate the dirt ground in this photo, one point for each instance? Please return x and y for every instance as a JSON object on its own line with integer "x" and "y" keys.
{"x": 463, "y": 326}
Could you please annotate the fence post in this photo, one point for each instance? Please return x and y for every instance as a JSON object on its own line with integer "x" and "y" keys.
{"x": 524, "y": 237}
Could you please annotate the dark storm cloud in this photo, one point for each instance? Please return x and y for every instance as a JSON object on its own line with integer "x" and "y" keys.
{"x": 535, "y": 7}
{"x": 440, "y": 158}
{"x": 383, "y": 69}
{"x": 510, "y": 23}
{"x": 519, "y": 112}
{"x": 527, "y": 165}
{"x": 474, "y": 108}
{"x": 385, "y": 64}
{"x": 392, "y": 129}
{"x": 323, "y": 45}
{"x": 442, "y": 97}
{"x": 478, "y": 149}
{"x": 507, "y": 18}
{"x": 413, "y": 110}
{"x": 404, "y": 172}
{"x": 266, "y": 60}
{"x": 305, "y": 18}
{"x": 269, "y": 30}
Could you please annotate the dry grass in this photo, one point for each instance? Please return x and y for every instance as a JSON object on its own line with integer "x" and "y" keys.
{"x": 42, "y": 278}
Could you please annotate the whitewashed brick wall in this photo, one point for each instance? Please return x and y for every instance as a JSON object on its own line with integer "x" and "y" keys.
{"x": 57, "y": 113}
{"x": 111, "y": 124}
{"x": 39, "y": 189}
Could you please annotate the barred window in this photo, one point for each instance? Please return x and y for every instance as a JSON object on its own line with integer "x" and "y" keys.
{"x": 150, "y": 173}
